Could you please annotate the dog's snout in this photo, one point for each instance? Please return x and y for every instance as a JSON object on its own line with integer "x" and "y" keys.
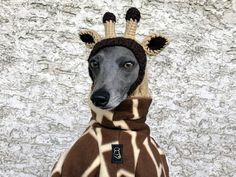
{"x": 100, "y": 98}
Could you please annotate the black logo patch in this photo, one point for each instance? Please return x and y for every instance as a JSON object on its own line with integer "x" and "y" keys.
{"x": 117, "y": 153}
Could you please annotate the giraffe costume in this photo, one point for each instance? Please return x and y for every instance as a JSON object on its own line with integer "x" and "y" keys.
{"x": 117, "y": 142}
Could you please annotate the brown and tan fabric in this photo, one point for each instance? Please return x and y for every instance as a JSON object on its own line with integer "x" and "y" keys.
{"x": 91, "y": 155}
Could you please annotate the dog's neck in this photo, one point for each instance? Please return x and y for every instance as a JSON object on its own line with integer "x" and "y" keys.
{"x": 129, "y": 115}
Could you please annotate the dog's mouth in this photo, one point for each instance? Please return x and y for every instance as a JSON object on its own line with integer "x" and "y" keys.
{"x": 107, "y": 108}
{"x": 116, "y": 101}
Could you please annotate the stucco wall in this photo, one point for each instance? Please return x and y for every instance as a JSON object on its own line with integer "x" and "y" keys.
{"x": 44, "y": 82}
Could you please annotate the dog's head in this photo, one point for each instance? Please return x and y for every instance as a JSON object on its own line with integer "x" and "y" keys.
{"x": 113, "y": 71}
{"x": 117, "y": 64}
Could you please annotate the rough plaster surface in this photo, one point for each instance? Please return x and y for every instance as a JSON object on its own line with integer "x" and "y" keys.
{"x": 44, "y": 82}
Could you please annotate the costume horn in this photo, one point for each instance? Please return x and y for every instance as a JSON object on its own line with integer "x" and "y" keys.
{"x": 132, "y": 18}
{"x": 109, "y": 20}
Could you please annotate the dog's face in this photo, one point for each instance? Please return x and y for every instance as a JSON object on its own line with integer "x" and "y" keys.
{"x": 114, "y": 70}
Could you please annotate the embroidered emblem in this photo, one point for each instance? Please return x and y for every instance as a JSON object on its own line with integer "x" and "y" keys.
{"x": 117, "y": 153}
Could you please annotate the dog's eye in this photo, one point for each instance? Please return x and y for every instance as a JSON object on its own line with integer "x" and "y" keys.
{"x": 94, "y": 64}
{"x": 128, "y": 65}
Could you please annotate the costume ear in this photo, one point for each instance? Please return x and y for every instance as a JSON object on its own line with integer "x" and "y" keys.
{"x": 89, "y": 37}
{"x": 154, "y": 44}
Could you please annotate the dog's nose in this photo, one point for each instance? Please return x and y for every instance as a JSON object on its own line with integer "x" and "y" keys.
{"x": 100, "y": 98}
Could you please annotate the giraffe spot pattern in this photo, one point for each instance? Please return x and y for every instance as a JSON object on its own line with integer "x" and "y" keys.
{"x": 90, "y": 155}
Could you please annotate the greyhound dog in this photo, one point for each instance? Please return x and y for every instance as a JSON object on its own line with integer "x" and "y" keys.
{"x": 117, "y": 142}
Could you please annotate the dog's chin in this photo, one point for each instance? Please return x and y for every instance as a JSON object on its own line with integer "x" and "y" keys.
{"x": 110, "y": 106}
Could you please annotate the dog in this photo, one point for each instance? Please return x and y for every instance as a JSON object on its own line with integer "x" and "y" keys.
{"x": 117, "y": 142}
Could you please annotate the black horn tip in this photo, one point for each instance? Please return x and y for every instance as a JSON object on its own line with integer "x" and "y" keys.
{"x": 133, "y": 13}
{"x": 108, "y": 16}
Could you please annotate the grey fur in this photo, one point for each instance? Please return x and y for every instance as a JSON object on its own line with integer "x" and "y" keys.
{"x": 111, "y": 74}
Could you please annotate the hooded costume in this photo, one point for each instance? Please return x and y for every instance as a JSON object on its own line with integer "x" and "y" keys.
{"x": 117, "y": 142}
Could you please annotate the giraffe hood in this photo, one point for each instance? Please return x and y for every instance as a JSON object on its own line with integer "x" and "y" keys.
{"x": 152, "y": 44}
{"x": 129, "y": 115}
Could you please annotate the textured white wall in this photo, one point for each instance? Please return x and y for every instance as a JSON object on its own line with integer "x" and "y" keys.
{"x": 44, "y": 81}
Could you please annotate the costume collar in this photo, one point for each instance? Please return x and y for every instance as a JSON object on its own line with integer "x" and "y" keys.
{"x": 129, "y": 115}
